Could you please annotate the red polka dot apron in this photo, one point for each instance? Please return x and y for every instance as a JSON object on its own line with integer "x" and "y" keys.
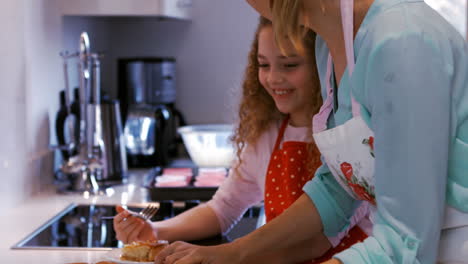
{"x": 287, "y": 172}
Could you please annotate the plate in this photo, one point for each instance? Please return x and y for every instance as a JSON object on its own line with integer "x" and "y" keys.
{"x": 114, "y": 255}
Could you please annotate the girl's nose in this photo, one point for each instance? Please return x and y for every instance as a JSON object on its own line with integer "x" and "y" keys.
{"x": 275, "y": 77}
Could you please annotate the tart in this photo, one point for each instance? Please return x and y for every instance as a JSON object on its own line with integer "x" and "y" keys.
{"x": 143, "y": 251}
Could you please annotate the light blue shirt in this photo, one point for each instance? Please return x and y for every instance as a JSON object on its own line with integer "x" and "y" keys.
{"x": 411, "y": 79}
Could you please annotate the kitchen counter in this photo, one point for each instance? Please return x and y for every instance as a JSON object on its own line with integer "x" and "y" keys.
{"x": 19, "y": 222}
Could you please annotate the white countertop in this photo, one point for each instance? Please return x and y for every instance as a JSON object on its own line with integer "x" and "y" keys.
{"x": 21, "y": 221}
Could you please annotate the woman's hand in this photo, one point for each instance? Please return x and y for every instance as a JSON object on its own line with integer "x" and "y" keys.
{"x": 185, "y": 253}
{"x": 232, "y": 253}
{"x": 129, "y": 228}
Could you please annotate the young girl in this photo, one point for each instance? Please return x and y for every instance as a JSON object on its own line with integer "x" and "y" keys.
{"x": 393, "y": 131}
{"x": 275, "y": 152}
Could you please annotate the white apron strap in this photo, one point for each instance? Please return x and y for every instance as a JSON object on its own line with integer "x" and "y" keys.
{"x": 347, "y": 19}
{"x": 319, "y": 122}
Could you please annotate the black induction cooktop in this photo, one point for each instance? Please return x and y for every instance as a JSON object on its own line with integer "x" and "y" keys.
{"x": 80, "y": 227}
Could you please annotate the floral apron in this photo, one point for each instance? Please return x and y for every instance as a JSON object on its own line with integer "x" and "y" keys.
{"x": 287, "y": 173}
{"x": 348, "y": 148}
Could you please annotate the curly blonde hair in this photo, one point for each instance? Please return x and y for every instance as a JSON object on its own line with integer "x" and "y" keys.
{"x": 257, "y": 108}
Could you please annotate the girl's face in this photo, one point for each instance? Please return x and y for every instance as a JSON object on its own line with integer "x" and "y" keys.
{"x": 289, "y": 80}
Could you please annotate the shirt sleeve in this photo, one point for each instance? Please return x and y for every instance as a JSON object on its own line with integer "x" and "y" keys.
{"x": 408, "y": 87}
{"x": 238, "y": 192}
{"x": 334, "y": 204}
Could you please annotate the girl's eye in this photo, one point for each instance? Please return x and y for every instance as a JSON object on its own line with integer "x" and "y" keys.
{"x": 291, "y": 65}
{"x": 263, "y": 65}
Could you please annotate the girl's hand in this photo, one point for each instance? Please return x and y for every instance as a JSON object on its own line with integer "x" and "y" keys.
{"x": 185, "y": 253}
{"x": 129, "y": 228}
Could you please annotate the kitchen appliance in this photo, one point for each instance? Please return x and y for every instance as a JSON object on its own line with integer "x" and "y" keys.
{"x": 147, "y": 93}
{"x": 113, "y": 144}
{"x": 81, "y": 227}
{"x": 114, "y": 160}
{"x": 95, "y": 157}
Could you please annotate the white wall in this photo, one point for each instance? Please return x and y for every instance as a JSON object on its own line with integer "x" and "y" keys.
{"x": 30, "y": 39}
{"x": 210, "y": 51}
{"x": 455, "y": 11}
{"x": 12, "y": 89}
{"x": 212, "y": 59}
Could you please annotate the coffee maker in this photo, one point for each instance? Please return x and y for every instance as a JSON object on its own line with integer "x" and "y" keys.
{"x": 147, "y": 94}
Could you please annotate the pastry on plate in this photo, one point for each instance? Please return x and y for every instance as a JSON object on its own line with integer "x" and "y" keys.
{"x": 143, "y": 251}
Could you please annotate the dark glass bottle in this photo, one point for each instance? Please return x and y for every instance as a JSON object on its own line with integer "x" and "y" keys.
{"x": 60, "y": 125}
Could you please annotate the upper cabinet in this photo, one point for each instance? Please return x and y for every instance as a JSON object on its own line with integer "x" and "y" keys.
{"x": 178, "y": 9}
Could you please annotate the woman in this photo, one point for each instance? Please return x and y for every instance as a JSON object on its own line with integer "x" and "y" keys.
{"x": 275, "y": 150}
{"x": 393, "y": 131}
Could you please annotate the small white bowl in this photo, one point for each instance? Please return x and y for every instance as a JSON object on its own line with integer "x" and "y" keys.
{"x": 209, "y": 145}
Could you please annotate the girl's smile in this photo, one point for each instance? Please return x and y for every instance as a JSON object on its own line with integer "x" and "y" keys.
{"x": 287, "y": 79}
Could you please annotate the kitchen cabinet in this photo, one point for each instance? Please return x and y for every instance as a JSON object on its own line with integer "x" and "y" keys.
{"x": 178, "y": 9}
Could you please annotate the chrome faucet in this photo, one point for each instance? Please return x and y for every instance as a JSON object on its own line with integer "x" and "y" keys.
{"x": 85, "y": 167}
